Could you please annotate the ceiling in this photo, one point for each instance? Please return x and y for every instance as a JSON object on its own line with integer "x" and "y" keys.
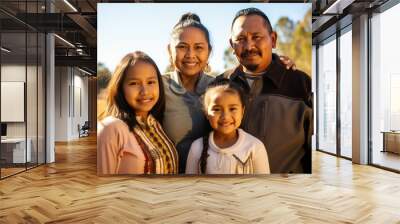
{"x": 73, "y": 21}
{"x": 328, "y": 16}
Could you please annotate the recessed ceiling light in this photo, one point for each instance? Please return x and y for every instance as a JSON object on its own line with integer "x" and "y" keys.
{"x": 86, "y": 72}
{"x": 70, "y": 5}
{"x": 5, "y": 49}
{"x": 64, "y": 40}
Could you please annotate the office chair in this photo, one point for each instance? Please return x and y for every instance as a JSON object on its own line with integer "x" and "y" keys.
{"x": 84, "y": 130}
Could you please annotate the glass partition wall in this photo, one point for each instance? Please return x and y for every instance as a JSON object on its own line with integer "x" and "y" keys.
{"x": 345, "y": 61}
{"x": 327, "y": 96}
{"x": 334, "y": 94}
{"x": 22, "y": 87}
{"x": 13, "y": 89}
{"x": 385, "y": 89}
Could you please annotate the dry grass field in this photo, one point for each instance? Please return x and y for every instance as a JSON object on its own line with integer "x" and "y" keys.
{"x": 101, "y": 102}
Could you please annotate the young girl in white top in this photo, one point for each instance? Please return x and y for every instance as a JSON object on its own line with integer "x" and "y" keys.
{"x": 227, "y": 149}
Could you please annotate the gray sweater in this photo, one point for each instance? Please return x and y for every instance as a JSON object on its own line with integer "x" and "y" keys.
{"x": 184, "y": 120}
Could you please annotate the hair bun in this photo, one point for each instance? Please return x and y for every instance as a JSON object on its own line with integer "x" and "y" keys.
{"x": 189, "y": 16}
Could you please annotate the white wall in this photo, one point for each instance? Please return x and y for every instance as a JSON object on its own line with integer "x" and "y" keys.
{"x": 71, "y": 94}
{"x": 61, "y": 103}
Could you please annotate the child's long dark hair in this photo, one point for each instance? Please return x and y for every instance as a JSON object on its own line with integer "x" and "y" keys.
{"x": 227, "y": 86}
{"x": 117, "y": 105}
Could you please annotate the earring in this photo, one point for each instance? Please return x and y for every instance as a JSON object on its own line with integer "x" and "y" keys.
{"x": 171, "y": 66}
{"x": 207, "y": 69}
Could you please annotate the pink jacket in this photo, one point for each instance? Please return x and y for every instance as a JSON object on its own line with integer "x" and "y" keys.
{"x": 118, "y": 152}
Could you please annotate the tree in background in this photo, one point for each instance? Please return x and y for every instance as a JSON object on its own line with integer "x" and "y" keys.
{"x": 284, "y": 29}
{"x": 294, "y": 41}
{"x": 103, "y": 76}
{"x": 230, "y": 60}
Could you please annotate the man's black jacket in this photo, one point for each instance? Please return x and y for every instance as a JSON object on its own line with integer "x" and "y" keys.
{"x": 278, "y": 111}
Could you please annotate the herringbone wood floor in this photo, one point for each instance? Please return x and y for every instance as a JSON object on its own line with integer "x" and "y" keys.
{"x": 70, "y": 192}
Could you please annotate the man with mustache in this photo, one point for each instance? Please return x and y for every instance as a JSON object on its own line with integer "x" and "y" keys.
{"x": 279, "y": 101}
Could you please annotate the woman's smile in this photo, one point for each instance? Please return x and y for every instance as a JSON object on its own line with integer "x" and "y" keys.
{"x": 190, "y": 64}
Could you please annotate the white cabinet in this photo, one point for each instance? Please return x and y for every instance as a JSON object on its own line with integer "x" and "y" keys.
{"x": 391, "y": 142}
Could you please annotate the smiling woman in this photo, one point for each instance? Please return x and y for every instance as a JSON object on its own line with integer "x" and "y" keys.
{"x": 189, "y": 50}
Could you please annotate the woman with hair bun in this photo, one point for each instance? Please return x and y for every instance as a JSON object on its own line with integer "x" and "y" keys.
{"x": 189, "y": 50}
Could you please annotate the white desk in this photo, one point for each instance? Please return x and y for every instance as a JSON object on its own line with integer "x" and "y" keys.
{"x": 16, "y": 147}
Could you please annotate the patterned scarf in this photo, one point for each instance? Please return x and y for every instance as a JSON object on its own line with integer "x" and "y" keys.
{"x": 161, "y": 155}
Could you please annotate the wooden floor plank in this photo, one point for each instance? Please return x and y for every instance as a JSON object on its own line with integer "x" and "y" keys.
{"x": 69, "y": 191}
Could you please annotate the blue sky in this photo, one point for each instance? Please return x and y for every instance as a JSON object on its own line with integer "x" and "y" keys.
{"x": 126, "y": 27}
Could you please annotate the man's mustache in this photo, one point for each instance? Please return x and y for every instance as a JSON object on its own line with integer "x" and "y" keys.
{"x": 246, "y": 53}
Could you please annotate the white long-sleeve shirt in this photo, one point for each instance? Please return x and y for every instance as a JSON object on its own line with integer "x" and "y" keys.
{"x": 247, "y": 156}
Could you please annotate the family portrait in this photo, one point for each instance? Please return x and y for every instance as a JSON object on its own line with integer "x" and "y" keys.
{"x": 184, "y": 89}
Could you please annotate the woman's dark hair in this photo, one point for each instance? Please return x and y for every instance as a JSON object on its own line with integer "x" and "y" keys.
{"x": 227, "y": 86}
{"x": 117, "y": 105}
{"x": 191, "y": 20}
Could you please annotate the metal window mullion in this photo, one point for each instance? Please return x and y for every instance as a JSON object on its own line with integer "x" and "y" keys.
{"x": 26, "y": 88}
{"x": 369, "y": 83}
{"x": 37, "y": 92}
{"x": 45, "y": 94}
{"x": 338, "y": 98}
{"x": 316, "y": 97}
